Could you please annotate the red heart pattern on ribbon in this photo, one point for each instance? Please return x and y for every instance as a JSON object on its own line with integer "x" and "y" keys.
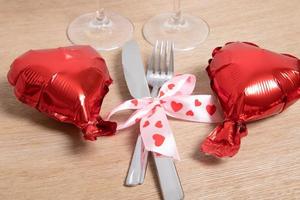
{"x": 197, "y": 103}
{"x": 174, "y": 100}
{"x": 158, "y": 124}
{"x": 211, "y": 109}
{"x": 176, "y": 106}
{"x": 189, "y": 113}
{"x": 146, "y": 123}
{"x": 158, "y": 139}
{"x": 170, "y": 86}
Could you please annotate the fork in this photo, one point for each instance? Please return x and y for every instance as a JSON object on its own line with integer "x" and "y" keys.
{"x": 161, "y": 69}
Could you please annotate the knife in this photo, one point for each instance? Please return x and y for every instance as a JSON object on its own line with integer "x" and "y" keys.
{"x": 134, "y": 73}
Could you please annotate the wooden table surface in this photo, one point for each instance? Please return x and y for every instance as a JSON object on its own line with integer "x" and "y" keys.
{"x": 43, "y": 159}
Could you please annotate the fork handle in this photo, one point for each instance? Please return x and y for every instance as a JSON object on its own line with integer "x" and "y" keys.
{"x": 154, "y": 91}
{"x": 167, "y": 174}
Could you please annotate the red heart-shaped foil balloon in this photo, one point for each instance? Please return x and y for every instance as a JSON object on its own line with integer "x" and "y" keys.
{"x": 251, "y": 83}
{"x": 67, "y": 83}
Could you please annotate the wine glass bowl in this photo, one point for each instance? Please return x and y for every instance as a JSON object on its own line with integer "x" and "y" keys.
{"x": 103, "y": 31}
{"x": 186, "y": 31}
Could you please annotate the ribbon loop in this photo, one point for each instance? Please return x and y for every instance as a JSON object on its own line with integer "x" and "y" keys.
{"x": 179, "y": 85}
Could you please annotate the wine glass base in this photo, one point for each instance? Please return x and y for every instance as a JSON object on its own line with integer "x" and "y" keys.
{"x": 186, "y": 35}
{"x": 87, "y": 30}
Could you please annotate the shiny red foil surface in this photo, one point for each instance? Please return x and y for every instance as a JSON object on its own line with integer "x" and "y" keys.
{"x": 251, "y": 83}
{"x": 67, "y": 84}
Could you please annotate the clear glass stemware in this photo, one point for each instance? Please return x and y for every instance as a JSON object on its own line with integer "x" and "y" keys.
{"x": 186, "y": 31}
{"x": 103, "y": 30}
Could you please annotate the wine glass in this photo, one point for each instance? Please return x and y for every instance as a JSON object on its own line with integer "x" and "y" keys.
{"x": 186, "y": 31}
{"x": 103, "y": 30}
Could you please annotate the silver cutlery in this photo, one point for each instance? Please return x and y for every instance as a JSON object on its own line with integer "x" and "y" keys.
{"x": 137, "y": 84}
{"x": 161, "y": 69}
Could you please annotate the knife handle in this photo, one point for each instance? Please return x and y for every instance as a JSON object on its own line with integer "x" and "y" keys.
{"x": 138, "y": 165}
{"x": 168, "y": 178}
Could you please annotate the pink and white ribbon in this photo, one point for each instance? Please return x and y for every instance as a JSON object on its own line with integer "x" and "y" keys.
{"x": 174, "y": 100}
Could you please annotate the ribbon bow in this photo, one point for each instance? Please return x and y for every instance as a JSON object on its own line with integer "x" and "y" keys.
{"x": 175, "y": 100}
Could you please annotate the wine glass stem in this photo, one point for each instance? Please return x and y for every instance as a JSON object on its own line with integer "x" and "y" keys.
{"x": 177, "y": 11}
{"x": 101, "y": 18}
{"x": 100, "y": 15}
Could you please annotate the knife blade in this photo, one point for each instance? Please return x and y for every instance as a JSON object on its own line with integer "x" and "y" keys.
{"x": 134, "y": 73}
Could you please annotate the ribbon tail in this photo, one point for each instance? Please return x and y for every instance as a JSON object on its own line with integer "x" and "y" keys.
{"x": 141, "y": 106}
{"x": 121, "y": 107}
{"x": 135, "y": 117}
{"x": 157, "y": 135}
{"x": 197, "y": 108}
{"x": 132, "y": 104}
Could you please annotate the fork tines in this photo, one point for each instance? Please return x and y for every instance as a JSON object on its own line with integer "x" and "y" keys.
{"x": 162, "y": 58}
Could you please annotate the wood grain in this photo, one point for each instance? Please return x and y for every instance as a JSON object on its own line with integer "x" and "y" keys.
{"x": 43, "y": 159}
